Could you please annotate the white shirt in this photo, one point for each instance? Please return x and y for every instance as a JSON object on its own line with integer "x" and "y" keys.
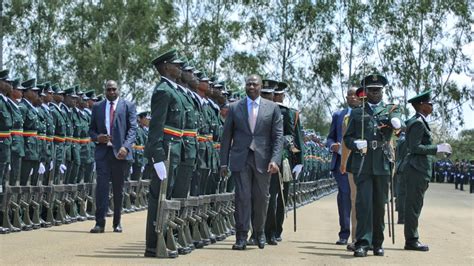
{"x": 249, "y": 105}
{"x": 107, "y": 114}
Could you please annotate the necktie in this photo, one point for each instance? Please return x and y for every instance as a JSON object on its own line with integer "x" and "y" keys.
{"x": 253, "y": 121}
{"x": 112, "y": 115}
{"x": 253, "y": 116}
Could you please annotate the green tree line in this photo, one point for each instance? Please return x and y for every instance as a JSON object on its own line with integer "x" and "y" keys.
{"x": 319, "y": 47}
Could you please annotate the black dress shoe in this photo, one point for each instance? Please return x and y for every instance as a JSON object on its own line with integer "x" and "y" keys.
{"x": 351, "y": 247}
{"x": 151, "y": 253}
{"x": 118, "y": 228}
{"x": 272, "y": 241}
{"x": 261, "y": 241}
{"x": 378, "y": 251}
{"x": 341, "y": 241}
{"x": 416, "y": 246}
{"x": 97, "y": 229}
{"x": 240, "y": 245}
{"x": 360, "y": 252}
{"x": 278, "y": 238}
{"x": 252, "y": 241}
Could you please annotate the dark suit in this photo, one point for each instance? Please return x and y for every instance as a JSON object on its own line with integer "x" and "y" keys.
{"x": 249, "y": 167}
{"x": 108, "y": 167}
{"x": 344, "y": 191}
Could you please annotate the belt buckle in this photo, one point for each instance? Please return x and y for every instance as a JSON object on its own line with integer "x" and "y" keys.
{"x": 373, "y": 144}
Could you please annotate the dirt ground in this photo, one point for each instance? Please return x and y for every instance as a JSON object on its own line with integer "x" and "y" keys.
{"x": 446, "y": 225}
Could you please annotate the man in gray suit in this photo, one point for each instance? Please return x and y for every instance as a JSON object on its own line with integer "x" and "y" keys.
{"x": 251, "y": 148}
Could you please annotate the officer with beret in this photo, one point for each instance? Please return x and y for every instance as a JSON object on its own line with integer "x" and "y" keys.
{"x": 417, "y": 166}
{"x": 368, "y": 136}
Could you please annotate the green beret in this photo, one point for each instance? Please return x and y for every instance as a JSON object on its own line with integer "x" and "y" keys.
{"x": 30, "y": 85}
{"x": 424, "y": 96}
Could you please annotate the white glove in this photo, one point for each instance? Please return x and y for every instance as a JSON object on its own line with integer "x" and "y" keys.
{"x": 160, "y": 170}
{"x": 143, "y": 168}
{"x": 131, "y": 170}
{"x": 361, "y": 144}
{"x": 62, "y": 168}
{"x": 41, "y": 169}
{"x": 51, "y": 166}
{"x": 444, "y": 147}
{"x": 396, "y": 123}
{"x": 9, "y": 167}
{"x": 93, "y": 167}
{"x": 297, "y": 170}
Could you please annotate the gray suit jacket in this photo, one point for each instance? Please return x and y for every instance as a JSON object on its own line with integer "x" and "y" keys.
{"x": 237, "y": 137}
{"x": 125, "y": 127}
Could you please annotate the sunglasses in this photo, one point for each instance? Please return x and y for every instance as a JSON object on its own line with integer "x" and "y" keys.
{"x": 111, "y": 89}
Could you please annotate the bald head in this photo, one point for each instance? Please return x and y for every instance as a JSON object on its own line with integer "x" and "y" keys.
{"x": 253, "y": 85}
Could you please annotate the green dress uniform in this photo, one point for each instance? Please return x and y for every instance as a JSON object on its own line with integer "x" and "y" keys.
{"x": 87, "y": 149}
{"x": 372, "y": 170}
{"x": 5, "y": 138}
{"x": 69, "y": 130}
{"x": 59, "y": 122}
{"x": 17, "y": 146}
{"x": 187, "y": 165}
{"x": 400, "y": 182}
{"x": 214, "y": 141}
{"x": 138, "y": 159}
{"x": 165, "y": 132}
{"x": 42, "y": 145}
{"x": 204, "y": 157}
{"x": 79, "y": 133}
{"x": 417, "y": 170}
{"x": 30, "y": 162}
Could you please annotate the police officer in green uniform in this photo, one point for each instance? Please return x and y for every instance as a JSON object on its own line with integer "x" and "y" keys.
{"x": 214, "y": 138}
{"x": 400, "y": 182}
{"x": 166, "y": 129}
{"x": 293, "y": 151}
{"x": 30, "y": 163}
{"x": 87, "y": 146}
{"x": 6, "y": 124}
{"x": 79, "y": 133}
{"x": 139, "y": 147}
{"x": 17, "y": 147}
{"x": 67, "y": 107}
{"x": 371, "y": 162}
{"x": 60, "y": 132}
{"x": 417, "y": 166}
{"x": 48, "y": 149}
{"x": 186, "y": 166}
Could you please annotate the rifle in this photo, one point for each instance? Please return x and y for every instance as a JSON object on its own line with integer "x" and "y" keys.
{"x": 163, "y": 207}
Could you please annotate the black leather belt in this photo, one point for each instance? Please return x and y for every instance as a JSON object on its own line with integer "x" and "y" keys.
{"x": 375, "y": 144}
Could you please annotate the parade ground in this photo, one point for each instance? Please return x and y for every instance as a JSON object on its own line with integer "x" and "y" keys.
{"x": 446, "y": 225}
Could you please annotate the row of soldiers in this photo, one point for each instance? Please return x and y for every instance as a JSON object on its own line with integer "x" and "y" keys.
{"x": 48, "y": 170}
{"x": 460, "y": 172}
{"x": 188, "y": 110}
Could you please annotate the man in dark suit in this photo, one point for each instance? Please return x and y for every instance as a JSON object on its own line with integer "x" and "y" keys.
{"x": 251, "y": 148}
{"x": 334, "y": 145}
{"x": 113, "y": 127}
